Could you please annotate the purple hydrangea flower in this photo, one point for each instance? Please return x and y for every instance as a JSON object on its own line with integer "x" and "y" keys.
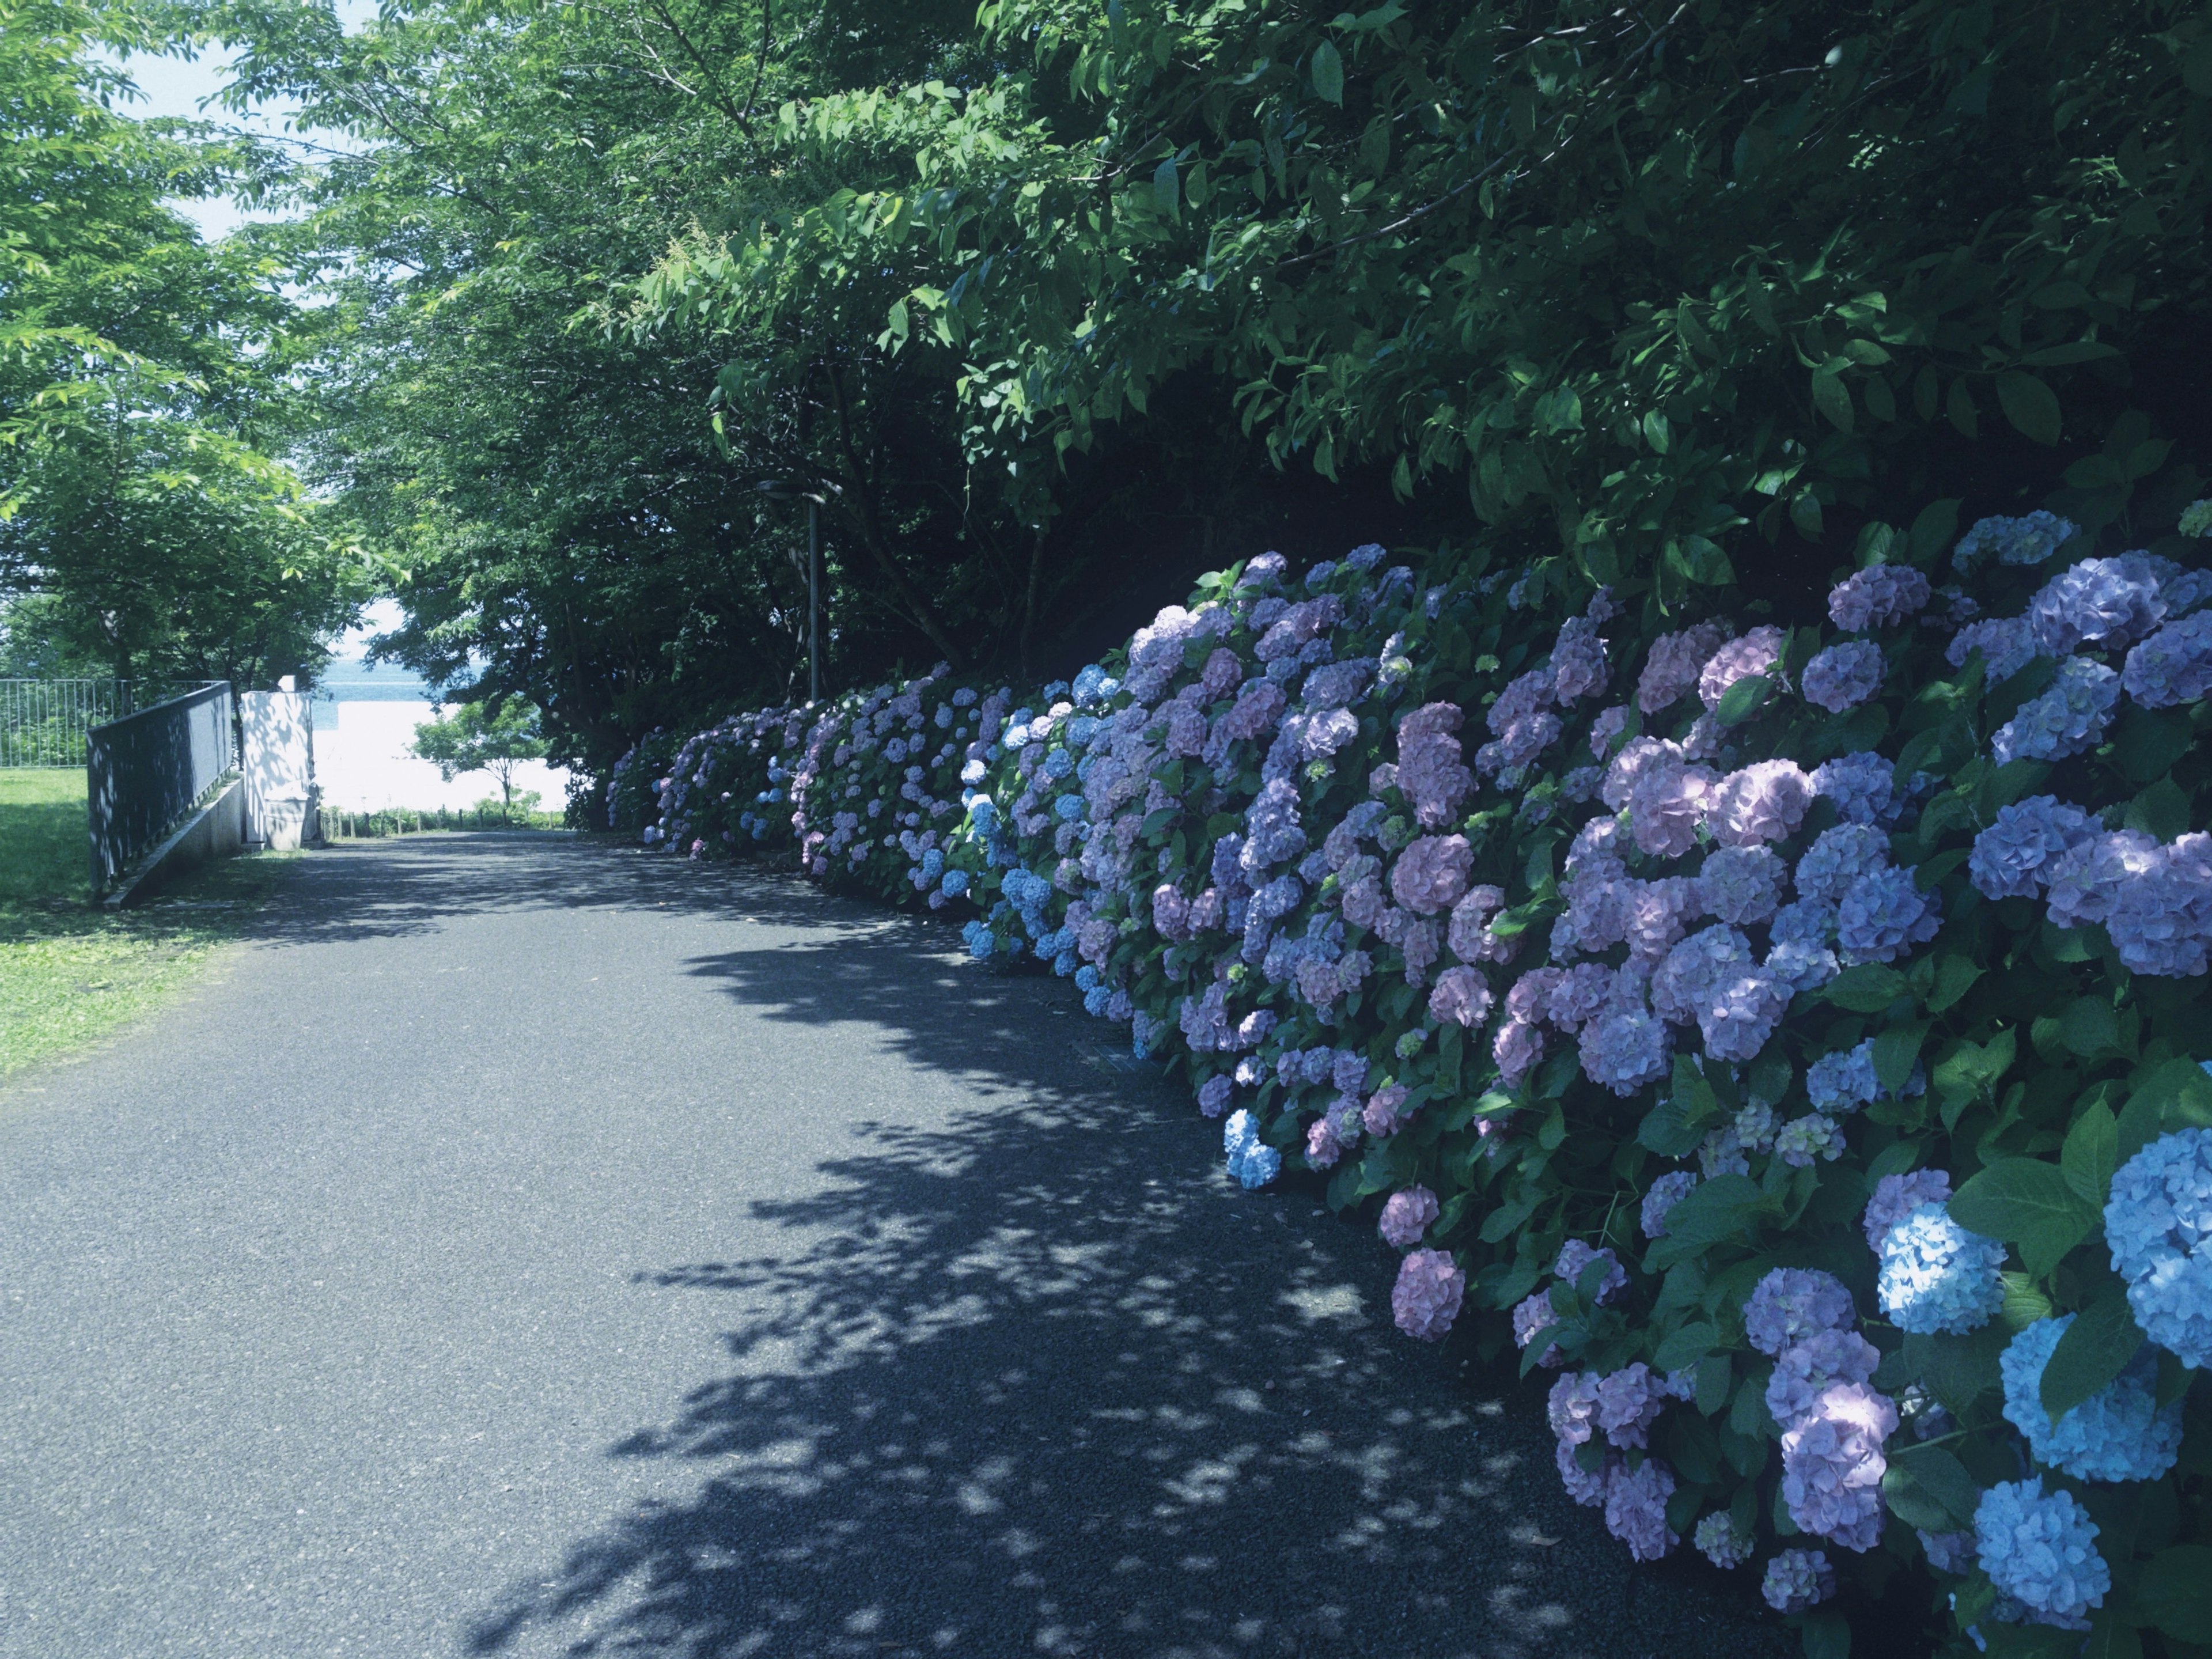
{"x": 1877, "y": 597}
{"x": 1533, "y": 1315}
{"x": 1758, "y": 652}
{"x": 1742, "y": 1006}
{"x": 1883, "y": 915}
{"x": 2173, "y": 665}
{"x": 1426, "y": 1297}
{"x": 1742, "y": 885}
{"x": 2083, "y": 884}
{"x": 1213, "y": 1095}
{"x": 1586, "y": 1487}
{"x": 1626, "y": 1048}
{"x": 1844, "y": 1081}
{"x": 1570, "y": 1407}
{"x": 1431, "y": 874}
{"x": 1762, "y": 802}
{"x": 2095, "y": 600}
{"x": 1791, "y": 1303}
{"x": 1667, "y": 806}
{"x": 1844, "y": 676}
{"x": 1723, "y": 1543}
{"x": 1798, "y": 1579}
{"x": 1665, "y": 1192}
{"x": 1672, "y": 669}
{"x": 1407, "y": 1215}
{"x": 1803, "y": 1372}
{"x": 1461, "y": 997}
{"x": 1628, "y": 1404}
{"x": 1636, "y": 1507}
{"x": 1683, "y": 982}
{"x": 2014, "y": 857}
{"x": 1575, "y": 1256}
{"x": 2068, "y": 718}
{"x": 1832, "y": 1464}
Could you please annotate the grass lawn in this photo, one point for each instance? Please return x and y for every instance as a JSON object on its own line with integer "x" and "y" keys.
{"x": 70, "y": 972}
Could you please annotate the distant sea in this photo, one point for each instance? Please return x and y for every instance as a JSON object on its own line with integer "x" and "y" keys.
{"x": 354, "y": 681}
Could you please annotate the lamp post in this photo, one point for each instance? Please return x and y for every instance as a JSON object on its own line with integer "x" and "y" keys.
{"x": 777, "y": 491}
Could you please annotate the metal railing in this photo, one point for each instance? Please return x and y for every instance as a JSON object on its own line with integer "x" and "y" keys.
{"x": 44, "y": 722}
{"x": 146, "y": 771}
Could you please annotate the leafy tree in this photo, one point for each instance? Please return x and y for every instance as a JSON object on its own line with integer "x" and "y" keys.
{"x": 477, "y": 737}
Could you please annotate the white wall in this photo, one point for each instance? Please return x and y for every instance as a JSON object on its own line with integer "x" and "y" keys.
{"x": 363, "y": 764}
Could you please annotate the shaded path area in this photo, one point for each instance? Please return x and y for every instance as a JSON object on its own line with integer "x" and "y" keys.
{"x": 529, "y": 1248}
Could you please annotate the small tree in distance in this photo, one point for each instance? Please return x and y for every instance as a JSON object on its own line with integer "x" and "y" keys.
{"x": 471, "y": 740}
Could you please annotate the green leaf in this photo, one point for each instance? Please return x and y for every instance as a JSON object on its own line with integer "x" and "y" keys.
{"x": 1328, "y": 73}
{"x": 1715, "y": 1372}
{"x": 2161, "y": 811}
{"x": 2024, "y": 1303}
{"x": 1969, "y": 1070}
{"x": 1740, "y": 701}
{"x": 2175, "y": 1592}
{"x": 1833, "y": 397}
{"x": 2096, "y": 1349}
{"x": 1958, "y": 408}
{"x": 1685, "y": 1347}
{"x": 1954, "y": 976}
{"x": 2179, "y": 1093}
{"x": 1666, "y": 1130}
{"x": 2147, "y": 742}
{"x": 1656, "y": 432}
{"x": 2089, "y": 1028}
{"x": 1805, "y": 514}
{"x": 1725, "y": 1207}
{"x": 1944, "y": 1479}
{"x": 1894, "y": 1052}
{"x": 2091, "y": 1154}
{"x": 2029, "y": 404}
{"x": 1827, "y": 1634}
{"x": 2027, "y": 1202}
{"x": 1167, "y": 188}
{"x": 2196, "y": 67}
{"x": 1868, "y": 988}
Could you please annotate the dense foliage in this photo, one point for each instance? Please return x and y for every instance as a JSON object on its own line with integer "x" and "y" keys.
{"x": 1794, "y": 1031}
{"x": 148, "y": 526}
{"x": 1061, "y": 303}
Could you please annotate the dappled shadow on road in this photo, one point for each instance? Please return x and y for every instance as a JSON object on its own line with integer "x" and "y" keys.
{"x": 408, "y": 885}
{"x": 1033, "y": 1377}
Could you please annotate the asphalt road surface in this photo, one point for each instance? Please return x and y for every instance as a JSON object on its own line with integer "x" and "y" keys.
{"x": 523, "y": 1247}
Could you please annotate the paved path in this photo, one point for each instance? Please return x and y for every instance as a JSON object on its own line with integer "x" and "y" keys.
{"x": 524, "y": 1247}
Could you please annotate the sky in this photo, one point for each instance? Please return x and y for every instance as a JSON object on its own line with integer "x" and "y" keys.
{"x": 173, "y": 87}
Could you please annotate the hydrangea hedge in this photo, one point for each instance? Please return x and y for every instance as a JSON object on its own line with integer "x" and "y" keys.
{"x": 1788, "y": 1036}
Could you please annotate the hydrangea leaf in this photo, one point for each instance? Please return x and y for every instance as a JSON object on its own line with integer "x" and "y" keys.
{"x": 1666, "y": 1130}
{"x": 2023, "y": 1301}
{"x": 2030, "y": 405}
{"x": 2091, "y": 1153}
{"x": 1969, "y": 1070}
{"x": 1912, "y": 1504}
{"x": 1685, "y": 1346}
{"x": 1960, "y": 1369}
{"x": 2096, "y": 1348}
{"x": 2026, "y": 1201}
{"x": 1725, "y": 1207}
{"x": 2147, "y": 742}
{"x": 2161, "y": 811}
{"x": 1954, "y": 976}
{"x": 2178, "y": 1093}
{"x": 1826, "y": 1633}
{"x": 1894, "y": 1052}
{"x": 1868, "y": 988}
{"x": 2175, "y": 1592}
{"x": 2089, "y": 1028}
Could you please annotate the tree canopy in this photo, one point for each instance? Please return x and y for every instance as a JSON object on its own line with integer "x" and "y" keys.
{"x": 1054, "y": 305}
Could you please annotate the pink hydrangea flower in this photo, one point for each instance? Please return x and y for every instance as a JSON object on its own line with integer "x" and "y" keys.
{"x": 1426, "y": 1297}
{"x": 1407, "y": 1215}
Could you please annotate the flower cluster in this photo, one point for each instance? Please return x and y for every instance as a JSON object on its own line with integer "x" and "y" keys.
{"x": 1614, "y": 955}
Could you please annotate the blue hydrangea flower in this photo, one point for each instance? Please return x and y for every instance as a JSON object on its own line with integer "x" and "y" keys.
{"x": 1844, "y": 676}
{"x": 2158, "y": 1221}
{"x": 1844, "y": 1081}
{"x": 2173, "y": 665}
{"x": 1936, "y": 1276}
{"x": 1253, "y": 1162}
{"x": 954, "y": 884}
{"x": 1792, "y": 1303}
{"x": 2118, "y": 1433}
{"x": 2041, "y": 1550}
{"x": 1883, "y": 915}
{"x": 2013, "y": 858}
{"x": 2068, "y": 719}
{"x": 1861, "y": 785}
{"x": 2096, "y": 600}
{"x": 2028, "y": 540}
{"x": 1837, "y": 859}
{"x": 1059, "y": 763}
{"x": 1068, "y": 808}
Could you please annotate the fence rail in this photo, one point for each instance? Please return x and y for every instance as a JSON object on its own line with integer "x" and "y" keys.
{"x": 146, "y": 771}
{"x": 44, "y": 722}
